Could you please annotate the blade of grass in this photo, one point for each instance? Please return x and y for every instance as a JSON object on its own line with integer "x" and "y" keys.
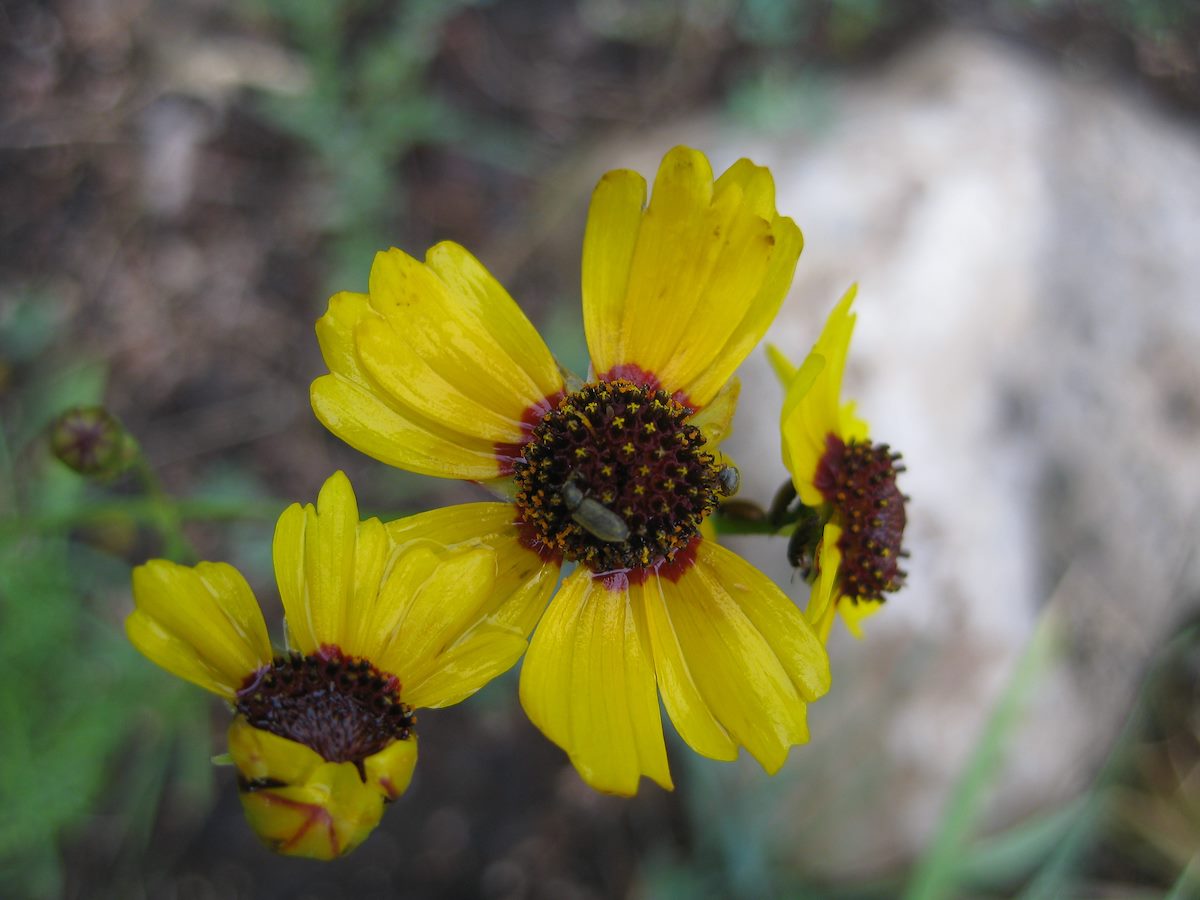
{"x": 1051, "y": 881}
{"x": 938, "y": 871}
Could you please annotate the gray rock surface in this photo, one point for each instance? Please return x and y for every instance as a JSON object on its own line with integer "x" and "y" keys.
{"x": 1029, "y": 336}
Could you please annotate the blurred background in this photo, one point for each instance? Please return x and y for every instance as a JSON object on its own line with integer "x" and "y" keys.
{"x": 1016, "y": 187}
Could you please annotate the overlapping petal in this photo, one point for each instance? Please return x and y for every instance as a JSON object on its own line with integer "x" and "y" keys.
{"x": 316, "y": 552}
{"x": 823, "y": 597}
{"x": 201, "y": 624}
{"x": 434, "y": 367}
{"x": 736, "y": 660}
{"x": 813, "y": 408}
{"x": 588, "y": 683}
{"x": 444, "y": 600}
{"x": 301, "y": 805}
{"x": 351, "y": 405}
{"x": 687, "y": 287}
{"x": 523, "y": 580}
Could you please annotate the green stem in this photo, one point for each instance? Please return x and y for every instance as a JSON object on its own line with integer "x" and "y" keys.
{"x": 145, "y": 510}
{"x": 165, "y": 512}
{"x": 728, "y": 525}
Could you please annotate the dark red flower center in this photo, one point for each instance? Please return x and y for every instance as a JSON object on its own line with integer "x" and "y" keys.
{"x": 341, "y": 706}
{"x": 858, "y": 480}
{"x": 614, "y": 477}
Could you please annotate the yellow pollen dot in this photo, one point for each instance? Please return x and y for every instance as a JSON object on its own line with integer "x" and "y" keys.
{"x": 628, "y": 448}
{"x": 606, "y": 470}
{"x": 639, "y": 489}
{"x": 643, "y": 470}
{"x": 618, "y": 421}
{"x": 581, "y": 452}
{"x": 669, "y": 484}
{"x": 649, "y": 428}
{"x": 681, "y": 471}
{"x": 632, "y": 407}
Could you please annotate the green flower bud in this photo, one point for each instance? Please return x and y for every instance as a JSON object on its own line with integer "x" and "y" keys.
{"x": 91, "y": 441}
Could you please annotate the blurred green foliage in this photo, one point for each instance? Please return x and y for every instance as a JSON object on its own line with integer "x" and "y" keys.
{"x": 369, "y": 104}
{"x": 88, "y": 727}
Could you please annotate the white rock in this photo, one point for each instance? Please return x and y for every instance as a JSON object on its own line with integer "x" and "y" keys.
{"x": 1029, "y": 337}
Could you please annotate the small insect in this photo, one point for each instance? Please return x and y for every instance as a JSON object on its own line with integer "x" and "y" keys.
{"x": 729, "y": 480}
{"x": 802, "y": 545}
{"x": 592, "y": 515}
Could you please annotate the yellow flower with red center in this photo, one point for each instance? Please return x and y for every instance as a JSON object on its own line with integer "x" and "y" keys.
{"x": 850, "y": 481}
{"x": 381, "y": 619}
{"x": 436, "y": 370}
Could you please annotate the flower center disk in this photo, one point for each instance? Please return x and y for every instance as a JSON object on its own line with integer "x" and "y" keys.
{"x": 858, "y": 479}
{"x": 341, "y": 706}
{"x": 615, "y": 478}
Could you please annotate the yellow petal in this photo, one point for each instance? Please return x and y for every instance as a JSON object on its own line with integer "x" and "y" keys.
{"x": 813, "y": 409}
{"x": 462, "y": 334}
{"x": 414, "y": 384}
{"x": 614, "y": 217}
{"x": 716, "y": 419}
{"x": 780, "y": 365}
{"x": 262, "y": 756}
{"x": 708, "y": 267}
{"x": 390, "y": 771}
{"x": 753, "y": 659}
{"x": 315, "y": 553}
{"x": 680, "y": 692}
{"x": 823, "y": 598}
{"x": 801, "y": 445}
{"x": 773, "y": 614}
{"x": 444, "y": 640}
{"x": 433, "y": 613}
{"x": 854, "y": 612}
{"x": 460, "y": 602}
{"x": 465, "y": 668}
{"x": 743, "y": 337}
{"x": 523, "y": 580}
{"x": 202, "y": 624}
{"x": 588, "y": 684}
{"x": 483, "y": 297}
{"x": 352, "y": 405}
{"x": 373, "y": 553}
{"x": 296, "y": 802}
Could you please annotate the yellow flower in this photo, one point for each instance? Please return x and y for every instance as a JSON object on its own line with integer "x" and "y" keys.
{"x": 381, "y": 619}
{"x": 835, "y": 468}
{"x": 437, "y": 371}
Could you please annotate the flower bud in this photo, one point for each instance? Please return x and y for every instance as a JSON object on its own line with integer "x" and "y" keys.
{"x": 91, "y": 441}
